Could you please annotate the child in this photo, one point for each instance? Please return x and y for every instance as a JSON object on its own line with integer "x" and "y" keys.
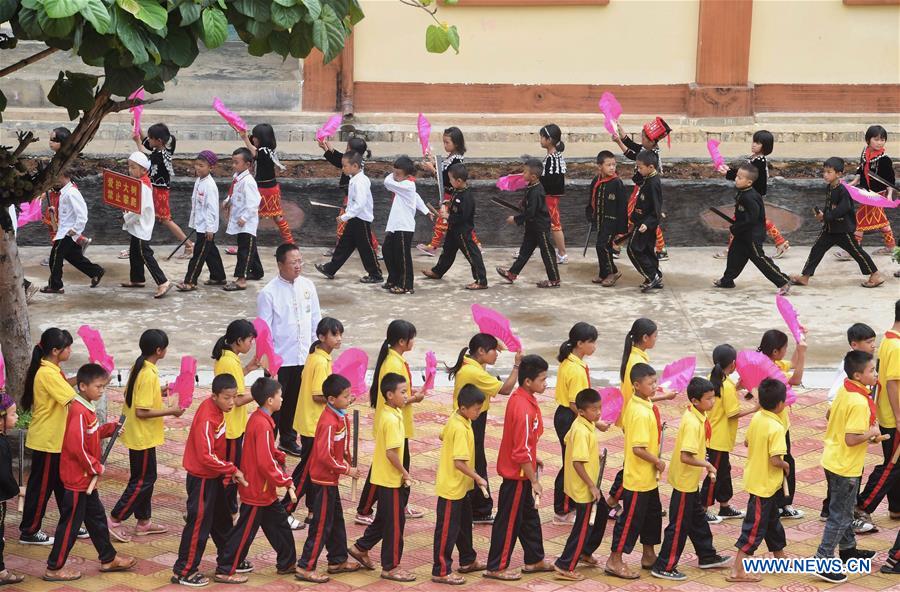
{"x": 140, "y": 227}
{"x": 582, "y": 462}
{"x": 50, "y": 216}
{"x": 536, "y": 220}
{"x": 761, "y": 146}
{"x": 470, "y": 369}
{"x": 9, "y": 489}
{"x": 207, "y": 511}
{"x": 458, "y": 218}
{"x": 607, "y": 211}
{"x": 238, "y": 340}
{"x": 838, "y": 225}
{"x": 401, "y": 226}
{"x": 354, "y": 144}
{"x": 358, "y": 217}
{"x": 874, "y": 160}
{"x": 79, "y": 469}
{"x": 455, "y": 479}
{"x": 645, "y": 219}
{"x": 892, "y": 563}
{"x": 263, "y": 469}
{"x": 642, "y": 510}
{"x": 73, "y": 215}
{"x": 144, "y": 412}
{"x": 401, "y": 336}
{"x": 723, "y": 421}
{"x": 572, "y": 377}
{"x": 390, "y": 475}
{"x": 687, "y": 517}
{"x": 329, "y": 460}
{"x": 46, "y": 394}
{"x": 242, "y": 206}
{"x": 205, "y": 221}
{"x": 261, "y": 144}
{"x": 748, "y": 232}
{"x": 851, "y": 427}
{"x": 764, "y": 475}
{"x": 553, "y": 179}
{"x": 161, "y": 145}
{"x": 518, "y": 464}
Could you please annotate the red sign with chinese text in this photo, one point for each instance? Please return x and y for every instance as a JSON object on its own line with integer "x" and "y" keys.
{"x": 122, "y": 191}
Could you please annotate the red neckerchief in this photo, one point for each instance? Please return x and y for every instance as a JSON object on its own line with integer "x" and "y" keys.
{"x": 587, "y": 371}
{"x": 231, "y": 187}
{"x": 868, "y": 155}
{"x": 658, "y": 423}
{"x": 146, "y": 180}
{"x": 892, "y": 335}
{"x": 708, "y": 428}
{"x": 408, "y": 373}
{"x": 600, "y": 181}
{"x": 856, "y": 388}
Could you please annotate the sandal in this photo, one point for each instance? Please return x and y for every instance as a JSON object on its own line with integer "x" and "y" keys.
{"x": 362, "y": 557}
{"x": 119, "y": 563}
{"x": 185, "y": 287}
{"x": 132, "y": 284}
{"x": 452, "y": 579}
{"x": 865, "y": 284}
{"x": 214, "y": 283}
{"x": 472, "y": 567}
{"x": 231, "y": 251}
{"x": 743, "y": 579}
{"x": 311, "y": 576}
{"x": 61, "y": 576}
{"x": 344, "y": 567}
{"x": 230, "y": 579}
{"x": 625, "y": 574}
{"x": 541, "y": 567}
{"x": 503, "y": 576}
{"x": 124, "y": 254}
{"x": 398, "y": 575}
{"x": 547, "y": 284}
{"x": 8, "y": 577}
{"x": 476, "y": 286}
{"x": 49, "y": 290}
{"x": 571, "y": 576}
{"x": 430, "y": 274}
{"x": 233, "y": 287}
{"x": 194, "y": 580}
{"x": 162, "y": 290}
{"x": 397, "y": 290}
{"x": 589, "y": 560}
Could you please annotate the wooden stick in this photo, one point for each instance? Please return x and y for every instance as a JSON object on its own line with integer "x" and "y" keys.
{"x": 91, "y": 485}
{"x": 484, "y": 491}
{"x": 662, "y": 432}
{"x": 181, "y": 244}
{"x": 21, "y": 504}
{"x": 537, "y": 496}
{"x": 324, "y": 205}
{"x": 599, "y": 482}
{"x": 292, "y": 494}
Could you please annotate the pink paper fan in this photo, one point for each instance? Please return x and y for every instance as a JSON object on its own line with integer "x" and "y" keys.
{"x": 330, "y": 128}
{"x": 430, "y": 370}
{"x": 30, "y": 212}
{"x": 753, "y": 367}
{"x": 493, "y": 323}
{"x": 184, "y": 383}
{"x": 424, "y": 127}
{"x": 265, "y": 348}
{"x": 137, "y": 110}
{"x": 610, "y": 404}
{"x": 352, "y": 365}
{"x": 870, "y": 198}
{"x": 512, "y": 183}
{"x": 677, "y": 375}
{"x": 2, "y": 371}
{"x": 611, "y": 110}
{"x": 712, "y": 145}
{"x": 789, "y": 314}
{"x": 96, "y": 347}
{"x": 233, "y": 119}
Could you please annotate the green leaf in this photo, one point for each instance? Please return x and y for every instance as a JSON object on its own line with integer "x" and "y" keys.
{"x": 28, "y": 20}
{"x": 286, "y": 17}
{"x": 287, "y": 3}
{"x": 152, "y": 13}
{"x": 190, "y": 12}
{"x": 74, "y": 92}
{"x": 453, "y": 36}
{"x": 215, "y": 27}
{"x": 57, "y": 9}
{"x": 259, "y": 46}
{"x": 131, "y": 39}
{"x": 130, "y": 6}
{"x": 2, "y": 105}
{"x": 314, "y": 7}
{"x": 154, "y": 85}
{"x": 123, "y": 81}
{"x": 301, "y": 41}
{"x": 328, "y": 34}
{"x": 355, "y": 12}
{"x": 180, "y": 47}
{"x": 7, "y": 9}
{"x": 280, "y": 42}
{"x": 96, "y": 13}
{"x": 259, "y": 28}
{"x": 437, "y": 40}
{"x": 55, "y": 27}
{"x": 255, "y": 9}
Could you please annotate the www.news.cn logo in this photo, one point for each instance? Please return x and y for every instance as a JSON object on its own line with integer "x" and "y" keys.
{"x": 806, "y": 565}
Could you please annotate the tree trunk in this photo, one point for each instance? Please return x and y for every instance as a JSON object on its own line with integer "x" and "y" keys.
{"x": 15, "y": 333}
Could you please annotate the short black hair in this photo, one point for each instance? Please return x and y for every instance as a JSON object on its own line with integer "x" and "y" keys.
{"x": 283, "y": 249}
{"x": 390, "y": 382}
{"x": 458, "y": 171}
{"x": 771, "y": 393}
{"x": 244, "y": 153}
{"x": 586, "y": 397}
{"x": 159, "y": 131}
{"x": 263, "y": 389}
{"x": 469, "y": 395}
{"x": 856, "y": 361}
{"x": 353, "y": 158}
{"x": 649, "y": 158}
{"x": 750, "y": 171}
{"x": 699, "y": 386}
{"x": 60, "y": 134}
{"x": 223, "y": 382}
{"x": 835, "y": 163}
{"x": 641, "y": 370}
{"x": 535, "y": 166}
{"x": 89, "y": 373}
{"x": 405, "y": 164}
{"x": 766, "y": 139}
{"x": 876, "y": 131}
{"x": 531, "y": 367}
{"x": 859, "y": 332}
{"x": 897, "y": 311}
{"x": 604, "y": 155}
{"x": 334, "y": 385}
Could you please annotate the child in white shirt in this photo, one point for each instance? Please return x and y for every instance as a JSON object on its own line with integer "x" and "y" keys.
{"x": 243, "y": 219}
{"x": 401, "y": 226}
{"x": 140, "y": 227}
{"x": 205, "y": 221}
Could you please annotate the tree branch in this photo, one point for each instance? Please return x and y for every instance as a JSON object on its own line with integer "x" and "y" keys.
{"x": 29, "y": 60}
{"x": 25, "y": 138}
{"x": 129, "y": 103}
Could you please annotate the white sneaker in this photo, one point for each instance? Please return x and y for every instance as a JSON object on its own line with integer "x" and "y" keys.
{"x": 792, "y": 513}
{"x": 515, "y": 254}
{"x": 712, "y": 518}
{"x": 414, "y": 512}
{"x": 365, "y": 519}
{"x": 294, "y": 523}
{"x": 564, "y": 519}
{"x": 862, "y": 527}
{"x": 562, "y": 260}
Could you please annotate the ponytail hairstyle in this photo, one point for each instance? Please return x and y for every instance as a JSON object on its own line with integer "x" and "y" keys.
{"x": 358, "y": 145}
{"x": 397, "y": 331}
{"x": 552, "y": 132}
{"x": 723, "y": 356}
{"x": 479, "y": 341}
{"x": 326, "y": 326}
{"x": 265, "y": 135}
{"x": 640, "y": 328}
{"x": 237, "y": 329}
{"x": 151, "y": 340}
{"x": 456, "y": 136}
{"x": 580, "y": 331}
{"x": 772, "y": 341}
{"x": 51, "y": 339}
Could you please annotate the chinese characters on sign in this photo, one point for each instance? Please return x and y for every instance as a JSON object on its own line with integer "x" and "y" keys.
{"x": 122, "y": 191}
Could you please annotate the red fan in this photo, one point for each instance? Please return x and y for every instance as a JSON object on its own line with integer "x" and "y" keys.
{"x": 184, "y": 383}
{"x": 610, "y": 404}
{"x": 352, "y": 365}
{"x": 96, "y": 348}
{"x": 430, "y": 370}
{"x": 753, "y": 367}
{"x": 493, "y": 323}
{"x": 677, "y": 375}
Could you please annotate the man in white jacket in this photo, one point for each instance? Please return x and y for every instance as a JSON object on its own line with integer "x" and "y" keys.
{"x": 243, "y": 218}
{"x": 140, "y": 227}
{"x": 205, "y": 221}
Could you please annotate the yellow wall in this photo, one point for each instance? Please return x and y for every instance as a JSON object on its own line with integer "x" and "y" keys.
{"x": 535, "y": 45}
{"x": 824, "y": 41}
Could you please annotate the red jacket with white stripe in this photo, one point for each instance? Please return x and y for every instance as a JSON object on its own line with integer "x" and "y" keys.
{"x": 522, "y": 428}
{"x": 327, "y": 461}
{"x": 204, "y": 451}
{"x": 80, "y": 458}
{"x": 261, "y": 462}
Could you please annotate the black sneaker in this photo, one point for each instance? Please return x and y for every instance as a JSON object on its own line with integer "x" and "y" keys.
{"x": 244, "y": 567}
{"x": 730, "y": 513}
{"x": 483, "y": 520}
{"x": 194, "y": 580}
{"x": 791, "y": 513}
{"x": 662, "y": 255}
{"x": 652, "y": 284}
{"x": 370, "y": 279}
{"x": 95, "y": 281}
{"x": 320, "y": 267}
{"x": 834, "y": 578}
{"x": 83, "y": 533}
{"x": 38, "y": 538}
{"x": 714, "y": 561}
{"x": 855, "y": 553}
{"x": 290, "y": 448}
{"x": 823, "y": 516}
{"x": 890, "y": 568}
{"x": 668, "y": 575}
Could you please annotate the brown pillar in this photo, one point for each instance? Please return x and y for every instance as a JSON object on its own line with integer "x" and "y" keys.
{"x": 329, "y": 87}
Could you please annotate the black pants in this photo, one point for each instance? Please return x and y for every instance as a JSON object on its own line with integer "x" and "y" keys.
{"x": 641, "y": 515}
{"x": 300, "y": 477}
{"x": 248, "y": 265}
{"x": 605, "y": 255}
{"x": 390, "y": 519}
{"x": 2, "y": 538}
{"x": 562, "y": 422}
{"x": 616, "y": 490}
{"x": 274, "y": 522}
{"x": 482, "y": 507}
{"x": 762, "y": 523}
{"x": 233, "y": 453}
{"x": 368, "y": 497}
{"x": 642, "y": 253}
{"x": 397, "y": 251}
{"x": 77, "y": 508}
{"x": 584, "y": 538}
{"x": 42, "y": 481}
{"x": 456, "y": 241}
{"x": 537, "y": 239}
{"x": 687, "y": 518}
{"x": 452, "y": 528}
{"x": 289, "y": 378}
{"x": 327, "y": 528}
{"x": 140, "y": 255}
{"x": 139, "y": 492}
{"x": 845, "y": 241}
{"x": 884, "y": 479}
{"x": 517, "y": 518}
{"x": 66, "y": 249}
{"x": 721, "y": 490}
{"x": 356, "y": 237}
{"x": 205, "y": 251}
{"x": 791, "y": 477}
{"x": 740, "y": 252}
{"x": 893, "y": 557}
{"x": 207, "y": 515}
